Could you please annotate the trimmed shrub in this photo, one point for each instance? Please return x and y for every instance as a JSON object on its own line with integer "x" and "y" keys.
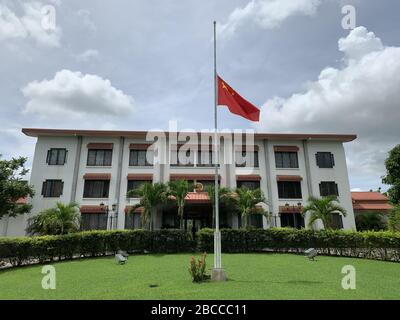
{"x": 18, "y": 251}
{"x": 381, "y": 245}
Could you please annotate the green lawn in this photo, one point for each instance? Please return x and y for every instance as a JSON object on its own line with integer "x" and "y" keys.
{"x": 251, "y": 276}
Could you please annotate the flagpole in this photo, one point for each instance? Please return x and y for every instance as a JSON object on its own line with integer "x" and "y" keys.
{"x": 218, "y": 273}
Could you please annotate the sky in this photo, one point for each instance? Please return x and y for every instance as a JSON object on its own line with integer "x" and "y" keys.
{"x": 136, "y": 65}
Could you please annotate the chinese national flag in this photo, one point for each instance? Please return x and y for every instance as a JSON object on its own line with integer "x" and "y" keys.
{"x": 235, "y": 103}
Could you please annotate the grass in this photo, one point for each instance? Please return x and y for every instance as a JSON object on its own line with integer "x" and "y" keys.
{"x": 251, "y": 276}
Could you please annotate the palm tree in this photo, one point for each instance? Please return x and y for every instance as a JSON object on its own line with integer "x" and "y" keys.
{"x": 64, "y": 218}
{"x": 323, "y": 209}
{"x": 224, "y": 194}
{"x": 246, "y": 200}
{"x": 151, "y": 197}
{"x": 179, "y": 189}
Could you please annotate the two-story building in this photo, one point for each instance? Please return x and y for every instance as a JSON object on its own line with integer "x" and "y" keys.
{"x": 97, "y": 168}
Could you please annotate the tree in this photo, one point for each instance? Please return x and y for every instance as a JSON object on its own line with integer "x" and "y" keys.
{"x": 13, "y": 187}
{"x": 151, "y": 197}
{"x": 224, "y": 194}
{"x": 323, "y": 209}
{"x": 179, "y": 189}
{"x": 63, "y": 219}
{"x": 394, "y": 219}
{"x": 392, "y": 177}
{"x": 370, "y": 221}
{"x": 246, "y": 200}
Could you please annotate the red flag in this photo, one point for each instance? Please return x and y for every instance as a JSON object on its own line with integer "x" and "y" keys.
{"x": 235, "y": 103}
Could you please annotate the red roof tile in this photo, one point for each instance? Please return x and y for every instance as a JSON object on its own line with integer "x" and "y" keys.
{"x": 137, "y": 210}
{"x": 195, "y": 197}
{"x": 368, "y": 196}
{"x": 97, "y": 176}
{"x": 22, "y": 201}
{"x": 91, "y": 209}
{"x": 288, "y": 178}
{"x": 372, "y": 206}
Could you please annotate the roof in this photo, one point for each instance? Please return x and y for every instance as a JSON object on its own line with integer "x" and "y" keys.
{"x": 371, "y": 201}
{"x": 22, "y": 200}
{"x": 372, "y": 206}
{"x": 368, "y": 195}
{"x": 195, "y": 197}
{"x": 36, "y": 132}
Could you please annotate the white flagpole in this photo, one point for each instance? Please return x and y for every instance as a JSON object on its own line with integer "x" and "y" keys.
{"x": 218, "y": 274}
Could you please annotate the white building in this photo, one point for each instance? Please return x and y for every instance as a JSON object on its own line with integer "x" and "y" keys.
{"x": 93, "y": 167}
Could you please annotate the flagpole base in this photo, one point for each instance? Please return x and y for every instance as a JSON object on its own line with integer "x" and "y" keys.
{"x": 218, "y": 274}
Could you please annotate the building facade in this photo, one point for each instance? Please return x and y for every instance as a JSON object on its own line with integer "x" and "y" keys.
{"x": 97, "y": 168}
{"x": 370, "y": 201}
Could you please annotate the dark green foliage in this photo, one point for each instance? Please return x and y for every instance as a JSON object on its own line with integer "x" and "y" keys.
{"x": 62, "y": 219}
{"x": 93, "y": 243}
{"x": 394, "y": 219}
{"x": 392, "y": 164}
{"x": 323, "y": 209}
{"x": 13, "y": 187}
{"x": 383, "y": 245}
{"x": 152, "y": 196}
{"x": 367, "y": 221}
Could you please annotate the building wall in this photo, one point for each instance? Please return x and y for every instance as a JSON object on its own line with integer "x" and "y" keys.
{"x": 311, "y": 175}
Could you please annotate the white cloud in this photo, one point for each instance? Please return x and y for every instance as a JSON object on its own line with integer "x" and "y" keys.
{"x": 359, "y": 43}
{"x": 87, "y": 55}
{"x": 74, "y": 95}
{"x": 361, "y": 97}
{"x": 30, "y": 25}
{"x": 267, "y": 14}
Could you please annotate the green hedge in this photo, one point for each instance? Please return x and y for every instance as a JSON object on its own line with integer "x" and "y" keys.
{"x": 23, "y": 250}
{"x": 373, "y": 245}
{"x": 382, "y": 245}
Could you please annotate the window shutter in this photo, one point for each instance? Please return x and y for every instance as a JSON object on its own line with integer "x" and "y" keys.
{"x": 48, "y": 156}
{"x": 320, "y": 190}
{"x": 317, "y": 157}
{"x": 62, "y": 188}
{"x": 43, "y": 187}
{"x": 332, "y": 159}
{"x": 336, "y": 189}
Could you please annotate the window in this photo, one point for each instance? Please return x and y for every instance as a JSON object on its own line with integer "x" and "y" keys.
{"x": 56, "y": 156}
{"x": 256, "y": 220}
{"x": 247, "y": 159}
{"x": 139, "y": 158}
{"x": 292, "y": 220}
{"x": 286, "y": 160}
{"x": 187, "y": 158}
{"x": 94, "y": 221}
{"x": 170, "y": 220}
{"x": 325, "y": 159}
{"x": 52, "y": 188}
{"x": 135, "y": 184}
{"x": 133, "y": 221}
{"x": 289, "y": 189}
{"x": 99, "y": 157}
{"x": 96, "y": 188}
{"x": 328, "y": 188}
{"x": 205, "y": 159}
{"x": 337, "y": 221}
{"x": 252, "y": 185}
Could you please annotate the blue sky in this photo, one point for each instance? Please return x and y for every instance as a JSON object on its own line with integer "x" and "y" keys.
{"x": 138, "y": 64}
